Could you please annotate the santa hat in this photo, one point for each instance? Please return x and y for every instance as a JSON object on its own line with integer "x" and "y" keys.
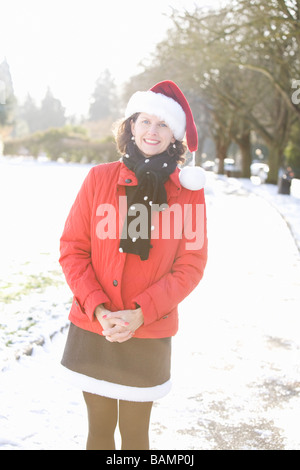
{"x": 166, "y": 101}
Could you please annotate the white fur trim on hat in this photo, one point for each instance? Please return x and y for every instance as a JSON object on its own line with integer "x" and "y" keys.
{"x": 165, "y": 108}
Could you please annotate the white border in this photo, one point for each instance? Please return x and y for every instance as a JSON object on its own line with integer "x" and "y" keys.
{"x": 116, "y": 391}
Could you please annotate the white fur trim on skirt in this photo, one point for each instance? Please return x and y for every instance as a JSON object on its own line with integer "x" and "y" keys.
{"x": 113, "y": 390}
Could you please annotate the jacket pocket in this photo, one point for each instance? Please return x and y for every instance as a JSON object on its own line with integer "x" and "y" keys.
{"x": 78, "y": 306}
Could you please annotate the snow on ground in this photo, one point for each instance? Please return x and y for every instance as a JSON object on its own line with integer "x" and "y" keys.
{"x": 287, "y": 205}
{"x": 236, "y": 368}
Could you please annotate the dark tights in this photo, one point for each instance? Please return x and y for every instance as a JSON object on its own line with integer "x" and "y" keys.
{"x": 103, "y": 415}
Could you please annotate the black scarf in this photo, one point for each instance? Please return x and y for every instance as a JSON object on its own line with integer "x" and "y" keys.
{"x": 151, "y": 174}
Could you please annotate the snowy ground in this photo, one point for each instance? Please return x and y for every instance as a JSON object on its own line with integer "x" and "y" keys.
{"x": 236, "y": 358}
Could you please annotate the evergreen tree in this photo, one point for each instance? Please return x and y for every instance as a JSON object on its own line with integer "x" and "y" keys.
{"x": 104, "y": 101}
{"x": 30, "y": 113}
{"x": 7, "y": 98}
{"x": 52, "y": 113}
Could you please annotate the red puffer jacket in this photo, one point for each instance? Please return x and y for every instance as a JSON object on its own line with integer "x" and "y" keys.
{"x": 97, "y": 272}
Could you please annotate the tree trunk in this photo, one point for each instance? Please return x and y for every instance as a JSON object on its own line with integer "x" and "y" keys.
{"x": 222, "y": 153}
{"x": 245, "y": 148}
{"x": 275, "y": 161}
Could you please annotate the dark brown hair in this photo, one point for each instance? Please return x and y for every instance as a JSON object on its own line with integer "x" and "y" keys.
{"x": 123, "y": 136}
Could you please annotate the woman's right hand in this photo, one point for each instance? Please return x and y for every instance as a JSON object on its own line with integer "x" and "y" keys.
{"x": 117, "y": 324}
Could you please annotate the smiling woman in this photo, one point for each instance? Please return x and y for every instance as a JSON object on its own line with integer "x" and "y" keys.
{"x": 127, "y": 287}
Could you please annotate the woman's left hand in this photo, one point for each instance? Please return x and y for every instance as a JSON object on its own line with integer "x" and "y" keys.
{"x": 133, "y": 318}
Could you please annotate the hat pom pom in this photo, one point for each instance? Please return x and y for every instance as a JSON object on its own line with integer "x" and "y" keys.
{"x": 192, "y": 178}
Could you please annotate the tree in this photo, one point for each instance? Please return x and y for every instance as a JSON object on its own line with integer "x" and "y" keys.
{"x": 7, "y": 98}
{"x": 30, "y": 113}
{"x": 240, "y": 62}
{"x": 51, "y": 113}
{"x": 292, "y": 151}
{"x": 104, "y": 102}
{"x": 274, "y": 50}
{"x": 273, "y": 55}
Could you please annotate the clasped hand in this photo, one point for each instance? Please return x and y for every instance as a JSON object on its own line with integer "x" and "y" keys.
{"x": 119, "y": 326}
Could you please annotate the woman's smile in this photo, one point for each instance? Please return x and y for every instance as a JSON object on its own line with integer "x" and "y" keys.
{"x": 151, "y": 141}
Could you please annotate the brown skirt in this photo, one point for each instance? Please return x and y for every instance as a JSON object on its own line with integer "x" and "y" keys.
{"x": 136, "y": 370}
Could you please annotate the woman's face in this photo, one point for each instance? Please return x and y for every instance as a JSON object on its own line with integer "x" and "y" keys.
{"x": 152, "y": 136}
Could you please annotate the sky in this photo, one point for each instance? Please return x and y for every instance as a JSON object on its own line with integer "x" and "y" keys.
{"x": 67, "y": 44}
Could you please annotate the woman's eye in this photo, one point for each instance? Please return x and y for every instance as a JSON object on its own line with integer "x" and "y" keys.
{"x": 145, "y": 121}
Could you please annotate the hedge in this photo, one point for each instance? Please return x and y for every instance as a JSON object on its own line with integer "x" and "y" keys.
{"x": 67, "y": 143}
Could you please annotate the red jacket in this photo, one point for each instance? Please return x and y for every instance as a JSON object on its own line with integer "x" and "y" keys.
{"x": 97, "y": 272}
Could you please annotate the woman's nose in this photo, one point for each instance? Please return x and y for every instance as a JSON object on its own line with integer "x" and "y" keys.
{"x": 152, "y": 129}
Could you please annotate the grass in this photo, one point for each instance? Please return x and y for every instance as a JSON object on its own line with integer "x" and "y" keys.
{"x": 22, "y": 301}
{"x": 27, "y": 284}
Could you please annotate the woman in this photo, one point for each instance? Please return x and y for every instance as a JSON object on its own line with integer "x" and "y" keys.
{"x": 129, "y": 259}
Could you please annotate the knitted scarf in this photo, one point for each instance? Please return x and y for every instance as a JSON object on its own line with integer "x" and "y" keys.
{"x": 151, "y": 174}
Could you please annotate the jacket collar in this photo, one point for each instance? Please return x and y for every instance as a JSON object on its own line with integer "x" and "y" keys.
{"x": 126, "y": 176}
